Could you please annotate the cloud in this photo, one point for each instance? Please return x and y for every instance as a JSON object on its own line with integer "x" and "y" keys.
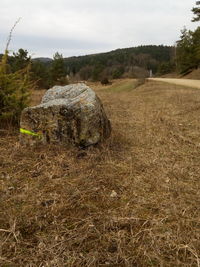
{"x": 61, "y": 44}
{"x": 88, "y": 26}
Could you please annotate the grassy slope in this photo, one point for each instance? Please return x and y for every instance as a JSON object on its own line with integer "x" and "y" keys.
{"x": 195, "y": 74}
{"x": 57, "y": 207}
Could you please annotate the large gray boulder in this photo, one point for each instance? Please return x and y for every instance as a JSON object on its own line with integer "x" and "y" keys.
{"x": 71, "y": 114}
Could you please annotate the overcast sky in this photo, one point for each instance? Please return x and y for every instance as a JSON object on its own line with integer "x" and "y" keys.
{"x": 79, "y": 27}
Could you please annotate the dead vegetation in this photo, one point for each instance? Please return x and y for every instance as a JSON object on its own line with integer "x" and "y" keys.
{"x": 133, "y": 201}
{"x": 195, "y": 74}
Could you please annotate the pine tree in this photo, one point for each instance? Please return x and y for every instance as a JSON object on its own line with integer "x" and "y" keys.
{"x": 14, "y": 91}
{"x": 185, "y": 51}
{"x": 19, "y": 60}
{"x": 58, "y": 72}
{"x": 196, "y": 11}
{"x": 41, "y": 74}
{"x": 188, "y": 50}
{"x": 14, "y": 88}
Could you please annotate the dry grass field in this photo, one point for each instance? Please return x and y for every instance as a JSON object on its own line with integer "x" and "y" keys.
{"x": 132, "y": 201}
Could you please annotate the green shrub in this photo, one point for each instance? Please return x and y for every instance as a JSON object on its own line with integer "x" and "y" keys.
{"x": 14, "y": 91}
{"x": 15, "y": 86}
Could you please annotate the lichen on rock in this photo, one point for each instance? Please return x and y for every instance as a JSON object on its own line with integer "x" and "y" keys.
{"x": 71, "y": 114}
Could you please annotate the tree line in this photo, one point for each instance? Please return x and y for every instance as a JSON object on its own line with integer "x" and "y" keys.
{"x": 135, "y": 62}
{"x": 132, "y": 62}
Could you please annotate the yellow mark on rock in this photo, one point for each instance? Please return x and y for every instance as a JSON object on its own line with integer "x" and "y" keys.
{"x": 24, "y": 131}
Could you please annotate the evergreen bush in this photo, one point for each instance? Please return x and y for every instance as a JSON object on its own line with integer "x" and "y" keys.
{"x": 14, "y": 89}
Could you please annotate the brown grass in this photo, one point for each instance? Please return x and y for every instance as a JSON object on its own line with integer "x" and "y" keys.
{"x": 133, "y": 201}
{"x": 195, "y": 74}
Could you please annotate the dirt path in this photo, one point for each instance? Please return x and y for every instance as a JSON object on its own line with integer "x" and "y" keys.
{"x": 183, "y": 82}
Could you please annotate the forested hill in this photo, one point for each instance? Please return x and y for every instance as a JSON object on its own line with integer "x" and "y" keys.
{"x": 121, "y": 60}
{"x": 132, "y": 62}
{"x": 160, "y": 53}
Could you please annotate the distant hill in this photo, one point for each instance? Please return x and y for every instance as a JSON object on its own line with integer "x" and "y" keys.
{"x": 133, "y": 62}
{"x": 120, "y": 61}
{"x": 42, "y": 59}
{"x": 158, "y": 52}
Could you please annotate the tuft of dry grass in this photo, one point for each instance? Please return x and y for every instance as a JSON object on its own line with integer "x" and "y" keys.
{"x": 132, "y": 201}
